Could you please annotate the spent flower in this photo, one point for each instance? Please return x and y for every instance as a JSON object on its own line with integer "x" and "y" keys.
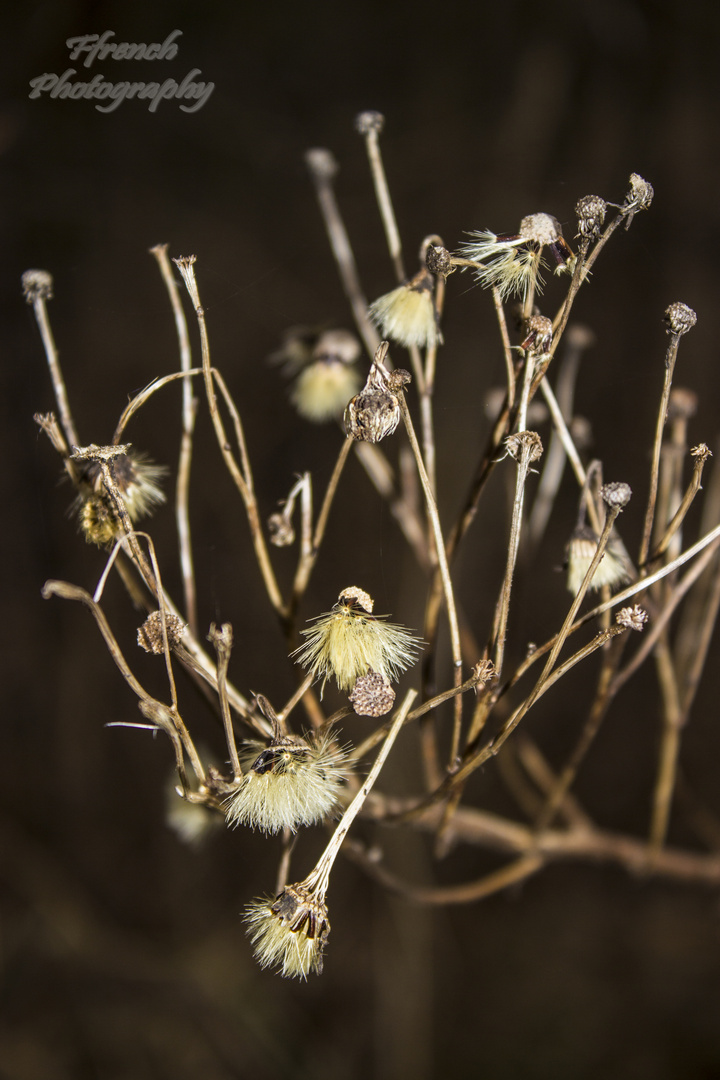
{"x": 513, "y": 262}
{"x": 291, "y": 782}
{"x": 348, "y": 642}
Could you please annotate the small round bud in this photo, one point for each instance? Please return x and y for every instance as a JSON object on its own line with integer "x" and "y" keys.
{"x": 150, "y": 634}
{"x": 633, "y": 618}
{"x": 321, "y": 163}
{"x": 590, "y": 211}
{"x": 640, "y": 195}
{"x": 37, "y": 284}
{"x": 616, "y": 494}
{"x": 372, "y": 695}
{"x": 368, "y": 121}
{"x": 679, "y": 318}
{"x": 439, "y": 261}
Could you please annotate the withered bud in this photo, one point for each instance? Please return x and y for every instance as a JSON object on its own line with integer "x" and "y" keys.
{"x": 281, "y": 530}
{"x": 482, "y": 673}
{"x": 368, "y": 121}
{"x": 371, "y": 415}
{"x": 702, "y": 451}
{"x": 398, "y": 379}
{"x": 37, "y": 285}
{"x": 679, "y": 318}
{"x": 526, "y": 445}
{"x": 372, "y": 695}
{"x": 616, "y": 493}
{"x": 633, "y": 618}
{"x": 150, "y": 634}
{"x": 590, "y": 212}
{"x": 439, "y": 261}
{"x": 538, "y": 334}
{"x": 321, "y": 163}
{"x": 640, "y": 195}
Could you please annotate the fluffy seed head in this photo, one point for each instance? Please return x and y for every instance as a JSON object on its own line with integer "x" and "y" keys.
{"x": 191, "y": 822}
{"x": 323, "y": 389}
{"x": 612, "y": 570}
{"x": 290, "y": 932}
{"x": 348, "y": 642}
{"x": 98, "y": 520}
{"x": 289, "y": 783}
{"x": 407, "y": 314}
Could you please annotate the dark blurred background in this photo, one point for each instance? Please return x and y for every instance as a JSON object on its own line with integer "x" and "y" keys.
{"x": 123, "y": 952}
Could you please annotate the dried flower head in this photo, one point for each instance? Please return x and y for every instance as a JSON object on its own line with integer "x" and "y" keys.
{"x": 98, "y": 519}
{"x": 291, "y": 782}
{"x": 524, "y": 444}
{"x": 513, "y": 262}
{"x": 150, "y": 634}
{"x": 375, "y": 411}
{"x": 616, "y": 493}
{"x": 439, "y": 261}
{"x": 613, "y": 569}
{"x": 348, "y": 642}
{"x": 323, "y": 361}
{"x": 590, "y": 210}
{"x": 407, "y": 314}
{"x": 368, "y": 121}
{"x": 639, "y": 196}
{"x": 679, "y": 318}
{"x": 372, "y": 695}
{"x": 37, "y": 285}
{"x": 290, "y": 932}
{"x": 138, "y": 483}
{"x": 633, "y": 618}
{"x": 538, "y": 334}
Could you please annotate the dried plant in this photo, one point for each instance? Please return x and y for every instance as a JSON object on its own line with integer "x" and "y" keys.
{"x": 286, "y": 775}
